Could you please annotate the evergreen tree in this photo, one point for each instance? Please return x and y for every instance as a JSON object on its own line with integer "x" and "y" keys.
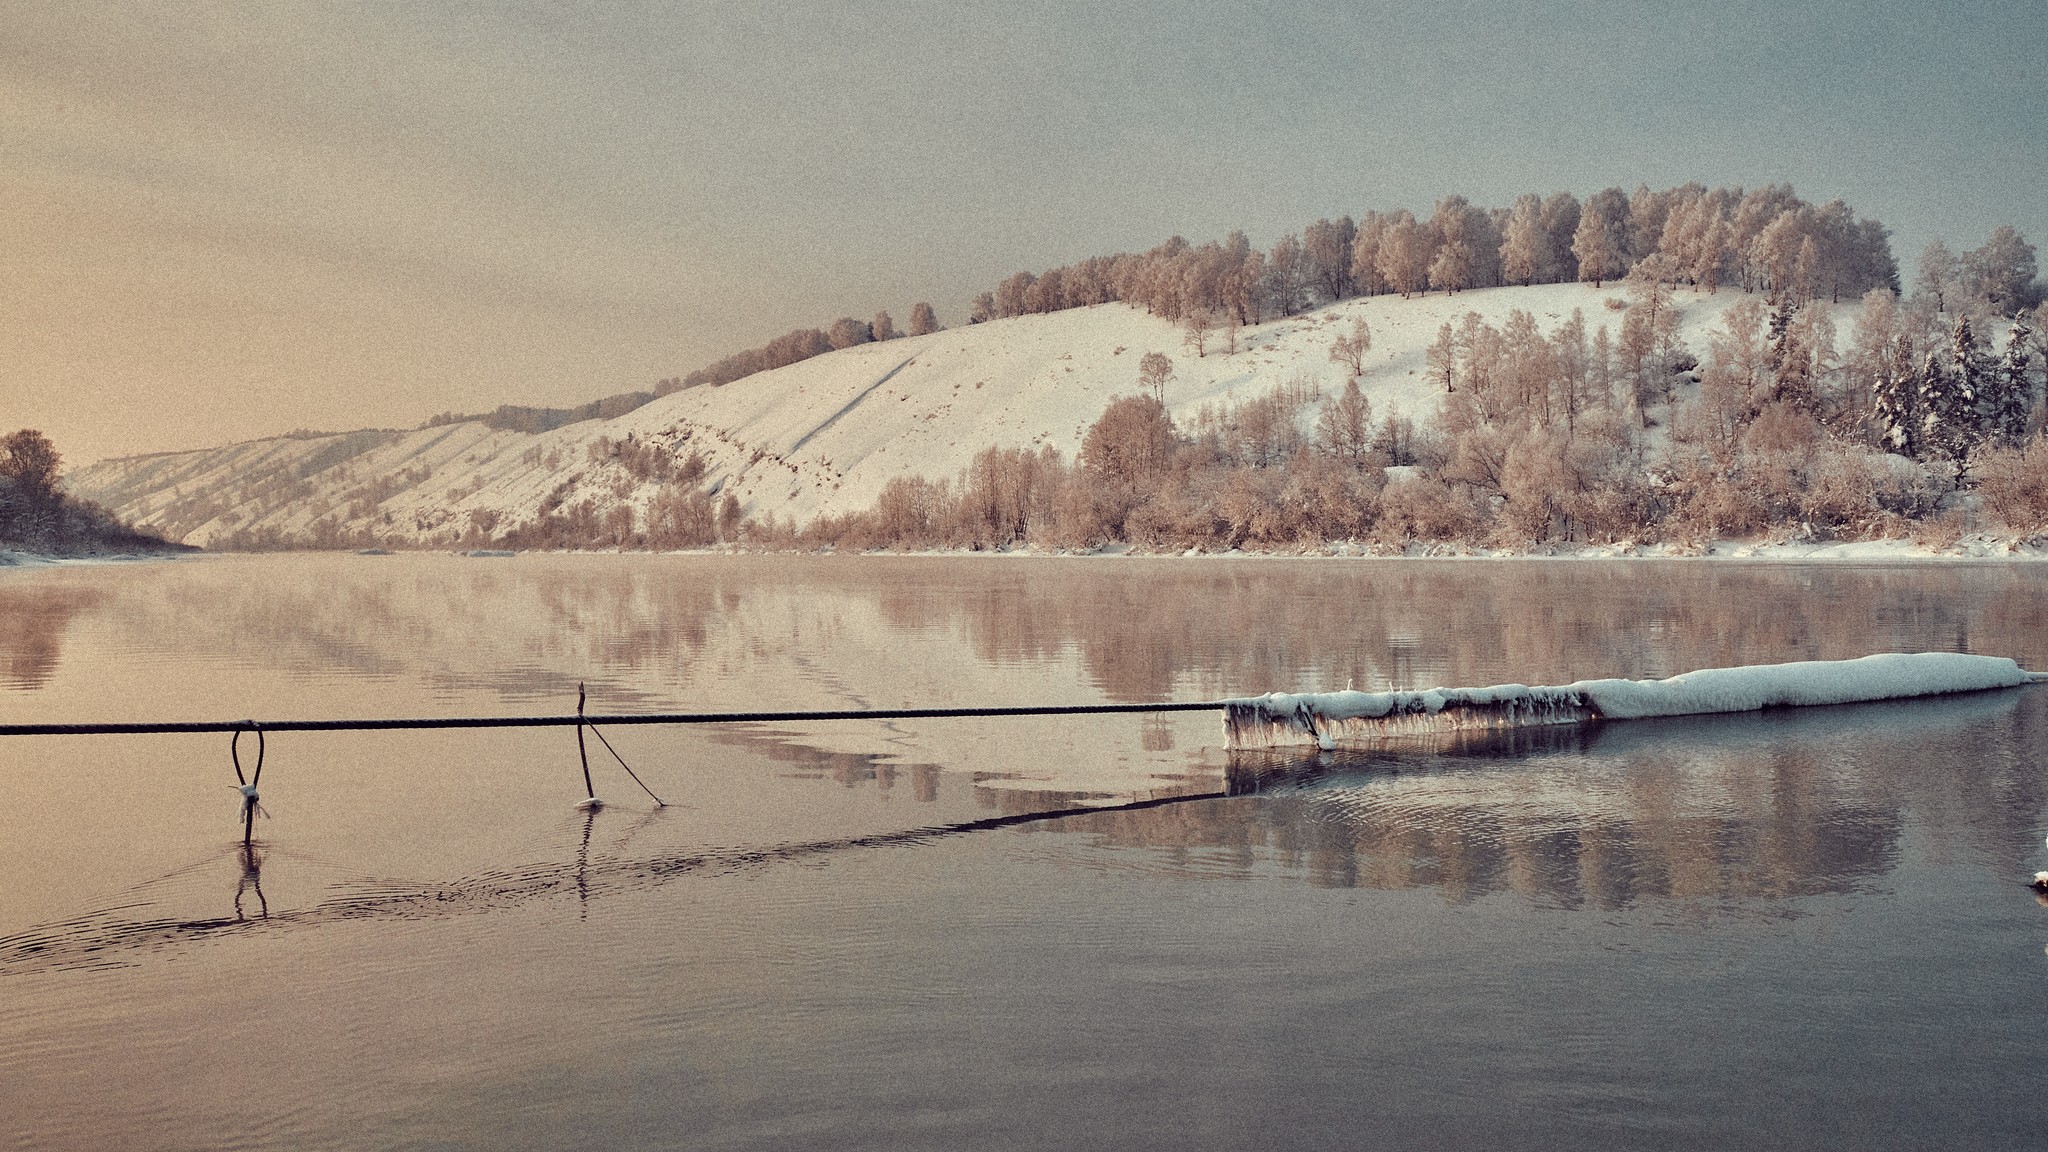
{"x": 1895, "y": 389}
{"x": 1790, "y": 363}
{"x": 1973, "y": 377}
{"x": 2011, "y": 393}
{"x": 1951, "y": 420}
{"x": 1935, "y": 402}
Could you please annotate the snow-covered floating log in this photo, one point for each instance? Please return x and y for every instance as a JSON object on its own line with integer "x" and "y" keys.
{"x": 1334, "y": 719}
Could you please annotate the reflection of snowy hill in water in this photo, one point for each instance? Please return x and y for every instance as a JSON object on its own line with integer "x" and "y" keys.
{"x": 1699, "y": 809}
{"x": 821, "y": 436}
{"x": 1706, "y": 808}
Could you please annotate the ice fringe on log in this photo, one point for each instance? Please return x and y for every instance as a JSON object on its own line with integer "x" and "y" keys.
{"x": 1331, "y": 719}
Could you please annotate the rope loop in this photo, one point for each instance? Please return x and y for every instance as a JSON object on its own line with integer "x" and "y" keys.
{"x": 235, "y": 751}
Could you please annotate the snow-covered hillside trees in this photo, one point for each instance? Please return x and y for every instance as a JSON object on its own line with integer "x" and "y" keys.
{"x": 1543, "y": 437}
{"x": 1765, "y": 239}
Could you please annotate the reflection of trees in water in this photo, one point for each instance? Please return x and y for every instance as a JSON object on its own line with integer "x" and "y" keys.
{"x": 525, "y": 630}
{"x": 1148, "y": 628}
{"x": 32, "y": 624}
{"x": 1787, "y": 804}
{"x": 645, "y": 628}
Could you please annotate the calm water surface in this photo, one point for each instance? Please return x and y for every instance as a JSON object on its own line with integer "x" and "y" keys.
{"x": 1788, "y": 930}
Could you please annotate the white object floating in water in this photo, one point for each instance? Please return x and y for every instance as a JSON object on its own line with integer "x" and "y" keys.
{"x": 590, "y": 805}
{"x": 1330, "y": 719}
{"x": 2041, "y": 881}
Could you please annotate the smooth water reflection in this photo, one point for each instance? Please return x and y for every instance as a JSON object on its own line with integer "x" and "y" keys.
{"x": 1792, "y": 929}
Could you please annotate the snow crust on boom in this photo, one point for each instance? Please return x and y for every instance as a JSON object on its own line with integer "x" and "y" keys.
{"x": 1330, "y": 719}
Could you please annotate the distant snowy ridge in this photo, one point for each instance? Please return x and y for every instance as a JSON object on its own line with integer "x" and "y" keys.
{"x": 1334, "y": 719}
{"x": 816, "y": 438}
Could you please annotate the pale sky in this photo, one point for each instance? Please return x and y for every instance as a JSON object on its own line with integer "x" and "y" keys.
{"x": 220, "y": 221}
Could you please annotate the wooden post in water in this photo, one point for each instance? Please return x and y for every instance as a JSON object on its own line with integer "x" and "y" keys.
{"x": 248, "y": 783}
{"x": 590, "y": 800}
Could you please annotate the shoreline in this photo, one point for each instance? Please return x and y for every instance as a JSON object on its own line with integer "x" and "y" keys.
{"x": 1980, "y": 547}
{"x": 22, "y": 558}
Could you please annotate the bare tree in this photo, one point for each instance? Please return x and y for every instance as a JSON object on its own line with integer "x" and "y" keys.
{"x": 923, "y": 321}
{"x": 884, "y": 328}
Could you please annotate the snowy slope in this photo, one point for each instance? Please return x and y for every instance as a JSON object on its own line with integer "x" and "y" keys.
{"x": 822, "y": 436}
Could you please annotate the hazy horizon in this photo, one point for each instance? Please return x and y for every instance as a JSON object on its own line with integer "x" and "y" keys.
{"x": 232, "y": 222}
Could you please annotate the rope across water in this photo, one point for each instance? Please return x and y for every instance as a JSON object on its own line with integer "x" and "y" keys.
{"x": 149, "y": 728}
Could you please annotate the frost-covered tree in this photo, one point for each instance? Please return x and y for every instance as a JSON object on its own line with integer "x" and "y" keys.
{"x": 1344, "y": 425}
{"x": 1010, "y": 294}
{"x": 1286, "y": 276}
{"x": 1468, "y": 250}
{"x": 1442, "y": 358}
{"x": 1350, "y": 349}
{"x": 883, "y": 328}
{"x": 1326, "y": 252}
{"x": 1132, "y": 441}
{"x": 1601, "y": 242}
{"x": 1560, "y": 224}
{"x": 1524, "y": 246}
{"x": 1806, "y": 270}
{"x": 845, "y": 332}
{"x": 1939, "y": 272}
{"x": 1196, "y": 327}
{"x": 1365, "y": 255}
{"x": 982, "y": 309}
{"x": 1647, "y": 212}
{"x": 2001, "y": 273}
{"x": 1406, "y": 252}
{"x": 1568, "y": 346}
{"x": 923, "y": 321}
{"x": 1154, "y": 370}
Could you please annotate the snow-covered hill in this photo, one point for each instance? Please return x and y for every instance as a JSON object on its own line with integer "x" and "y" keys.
{"x": 821, "y": 436}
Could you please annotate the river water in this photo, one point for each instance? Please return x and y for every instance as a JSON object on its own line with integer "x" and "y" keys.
{"x": 1784, "y": 930}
